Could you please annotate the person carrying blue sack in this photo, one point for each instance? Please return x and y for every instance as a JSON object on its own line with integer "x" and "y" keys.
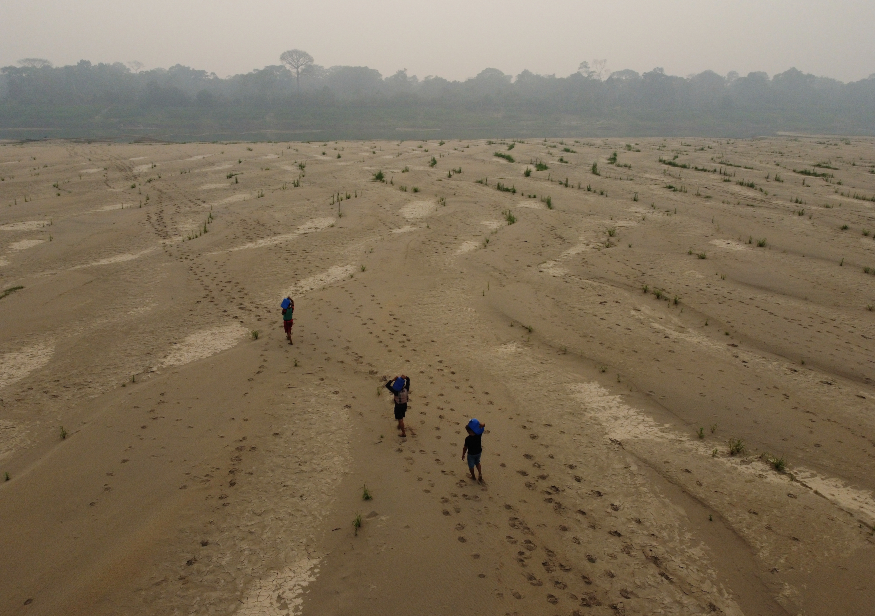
{"x": 474, "y": 447}
{"x": 288, "y": 307}
{"x": 400, "y": 388}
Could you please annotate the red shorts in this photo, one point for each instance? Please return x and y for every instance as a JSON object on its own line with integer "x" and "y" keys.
{"x": 287, "y": 325}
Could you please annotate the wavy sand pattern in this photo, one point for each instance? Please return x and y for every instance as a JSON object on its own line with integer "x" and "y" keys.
{"x": 15, "y": 365}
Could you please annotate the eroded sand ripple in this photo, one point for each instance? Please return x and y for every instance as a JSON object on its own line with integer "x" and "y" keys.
{"x": 16, "y": 365}
{"x": 323, "y": 279}
{"x": 418, "y": 209}
{"x": 205, "y": 343}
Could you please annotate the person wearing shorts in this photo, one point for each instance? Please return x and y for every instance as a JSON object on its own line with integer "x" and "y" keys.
{"x": 400, "y": 388}
{"x": 288, "y": 307}
{"x": 474, "y": 448}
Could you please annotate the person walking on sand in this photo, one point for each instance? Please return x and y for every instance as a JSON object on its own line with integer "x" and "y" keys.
{"x": 288, "y": 307}
{"x": 400, "y": 388}
{"x": 474, "y": 447}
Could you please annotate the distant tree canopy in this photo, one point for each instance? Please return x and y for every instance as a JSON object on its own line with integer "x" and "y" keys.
{"x": 297, "y": 61}
{"x": 300, "y": 99}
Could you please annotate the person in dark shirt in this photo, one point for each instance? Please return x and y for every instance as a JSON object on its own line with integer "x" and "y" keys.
{"x": 288, "y": 307}
{"x": 400, "y": 388}
{"x": 474, "y": 447}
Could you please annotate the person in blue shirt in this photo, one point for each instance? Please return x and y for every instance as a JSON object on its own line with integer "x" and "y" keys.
{"x": 474, "y": 447}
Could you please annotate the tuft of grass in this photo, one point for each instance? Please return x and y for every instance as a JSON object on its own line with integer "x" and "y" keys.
{"x": 379, "y": 176}
{"x": 595, "y": 169}
{"x": 527, "y": 172}
{"x": 6, "y": 476}
{"x": 366, "y": 495}
{"x": 539, "y": 166}
{"x": 363, "y": 268}
{"x": 701, "y": 432}
{"x": 254, "y": 334}
{"x": 702, "y": 255}
{"x": 612, "y": 232}
{"x": 779, "y": 464}
{"x": 506, "y": 157}
{"x": 415, "y": 189}
{"x": 509, "y": 217}
{"x": 63, "y": 433}
{"x": 844, "y": 227}
{"x": 736, "y": 447}
{"x": 432, "y": 162}
{"x": 761, "y": 243}
{"x": 10, "y": 291}
{"x": 357, "y": 523}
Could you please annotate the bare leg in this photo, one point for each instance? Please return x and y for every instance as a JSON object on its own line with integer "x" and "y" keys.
{"x": 471, "y": 468}
{"x": 479, "y": 472}
{"x": 401, "y": 427}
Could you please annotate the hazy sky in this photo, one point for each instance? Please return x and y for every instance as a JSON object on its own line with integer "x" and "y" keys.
{"x": 451, "y": 38}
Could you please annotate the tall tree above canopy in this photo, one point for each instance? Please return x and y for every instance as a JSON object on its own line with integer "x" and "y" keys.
{"x": 297, "y": 61}
{"x": 34, "y": 63}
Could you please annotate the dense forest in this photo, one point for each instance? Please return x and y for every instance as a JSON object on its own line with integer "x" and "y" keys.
{"x": 303, "y": 101}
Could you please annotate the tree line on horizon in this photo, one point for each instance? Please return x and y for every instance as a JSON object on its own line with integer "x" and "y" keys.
{"x": 299, "y": 99}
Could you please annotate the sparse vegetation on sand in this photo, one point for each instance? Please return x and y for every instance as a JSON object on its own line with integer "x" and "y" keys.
{"x": 10, "y": 291}
{"x": 736, "y": 447}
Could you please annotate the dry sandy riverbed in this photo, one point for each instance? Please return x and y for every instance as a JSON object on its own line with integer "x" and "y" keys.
{"x": 615, "y": 338}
